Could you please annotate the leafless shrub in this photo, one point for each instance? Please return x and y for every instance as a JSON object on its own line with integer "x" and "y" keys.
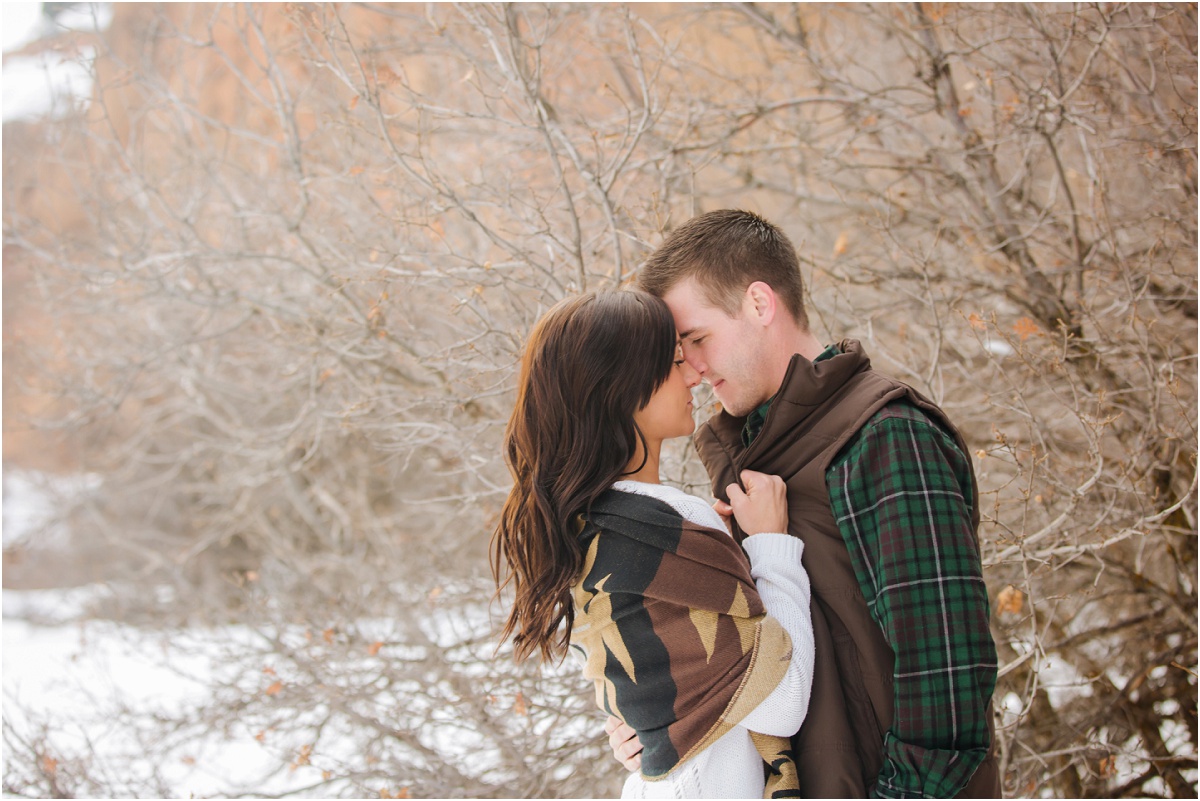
{"x": 296, "y": 250}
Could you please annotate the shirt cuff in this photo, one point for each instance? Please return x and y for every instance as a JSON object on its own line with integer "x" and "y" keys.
{"x": 910, "y": 771}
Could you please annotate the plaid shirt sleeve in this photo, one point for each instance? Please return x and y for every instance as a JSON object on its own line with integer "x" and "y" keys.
{"x": 901, "y": 496}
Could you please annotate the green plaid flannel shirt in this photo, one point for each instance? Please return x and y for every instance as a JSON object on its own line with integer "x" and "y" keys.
{"x": 900, "y": 495}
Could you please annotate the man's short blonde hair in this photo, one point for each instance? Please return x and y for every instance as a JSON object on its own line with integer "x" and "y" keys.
{"x": 725, "y": 251}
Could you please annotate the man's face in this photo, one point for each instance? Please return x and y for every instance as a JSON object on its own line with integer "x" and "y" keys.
{"x": 726, "y": 351}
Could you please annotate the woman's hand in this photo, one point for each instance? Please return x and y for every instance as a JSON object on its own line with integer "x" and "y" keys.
{"x": 623, "y": 740}
{"x": 762, "y": 506}
{"x": 725, "y": 511}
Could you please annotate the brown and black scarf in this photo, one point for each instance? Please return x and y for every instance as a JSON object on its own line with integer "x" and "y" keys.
{"x": 675, "y": 635}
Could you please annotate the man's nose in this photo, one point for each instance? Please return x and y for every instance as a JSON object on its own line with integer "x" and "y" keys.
{"x": 691, "y": 376}
{"x": 692, "y": 357}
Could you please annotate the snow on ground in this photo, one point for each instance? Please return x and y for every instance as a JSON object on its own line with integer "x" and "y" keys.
{"x": 82, "y": 679}
{"x": 100, "y": 687}
{"x": 77, "y": 676}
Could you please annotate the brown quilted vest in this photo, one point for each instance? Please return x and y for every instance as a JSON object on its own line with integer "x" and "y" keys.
{"x": 820, "y": 406}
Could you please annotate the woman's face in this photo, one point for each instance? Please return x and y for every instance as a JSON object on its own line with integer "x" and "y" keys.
{"x": 668, "y": 414}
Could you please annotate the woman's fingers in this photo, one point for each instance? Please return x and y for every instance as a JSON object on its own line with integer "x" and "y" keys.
{"x": 762, "y": 505}
{"x": 626, "y": 747}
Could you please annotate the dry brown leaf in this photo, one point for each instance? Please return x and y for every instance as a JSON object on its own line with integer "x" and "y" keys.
{"x": 1025, "y": 328}
{"x": 842, "y": 242}
{"x": 1010, "y": 600}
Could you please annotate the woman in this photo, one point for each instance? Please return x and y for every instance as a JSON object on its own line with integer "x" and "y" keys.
{"x": 705, "y": 653}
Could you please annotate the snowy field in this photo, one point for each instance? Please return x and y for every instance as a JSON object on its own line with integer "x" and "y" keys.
{"x": 98, "y": 692}
{"x": 145, "y": 712}
{"x": 79, "y": 677}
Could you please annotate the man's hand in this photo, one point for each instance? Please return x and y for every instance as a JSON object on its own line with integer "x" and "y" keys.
{"x": 626, "y": 746}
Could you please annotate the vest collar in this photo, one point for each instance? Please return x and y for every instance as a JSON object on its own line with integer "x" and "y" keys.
{"x": 809, "y": 384}
{"x": 806, "y": 385}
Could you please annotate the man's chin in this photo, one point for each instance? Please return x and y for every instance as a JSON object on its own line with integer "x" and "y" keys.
{"x": 732, "y": 407}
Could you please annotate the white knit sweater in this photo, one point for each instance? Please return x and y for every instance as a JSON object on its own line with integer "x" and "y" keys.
{"x": 731, "y": 767}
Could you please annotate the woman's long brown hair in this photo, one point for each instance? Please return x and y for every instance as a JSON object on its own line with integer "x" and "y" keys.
{"x": 590, "y": 363}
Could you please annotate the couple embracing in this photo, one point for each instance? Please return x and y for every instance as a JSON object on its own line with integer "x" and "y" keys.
{"x": 822, "y": 629}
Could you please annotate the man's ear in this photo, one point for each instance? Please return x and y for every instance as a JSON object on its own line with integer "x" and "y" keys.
{"x": 760, "y": 302}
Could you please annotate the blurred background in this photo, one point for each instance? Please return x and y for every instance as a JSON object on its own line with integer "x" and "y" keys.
{"x": 268, "y": 268}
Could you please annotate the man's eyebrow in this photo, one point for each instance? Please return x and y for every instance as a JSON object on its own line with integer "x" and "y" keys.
{"x": 686, "y": 334}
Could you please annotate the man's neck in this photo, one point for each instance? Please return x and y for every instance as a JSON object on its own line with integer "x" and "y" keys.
{"x": 808, "y": 345}
{"x": 796, "y": 341}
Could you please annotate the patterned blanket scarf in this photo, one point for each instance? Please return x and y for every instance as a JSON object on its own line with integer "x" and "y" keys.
{"x": 674, "y": 634}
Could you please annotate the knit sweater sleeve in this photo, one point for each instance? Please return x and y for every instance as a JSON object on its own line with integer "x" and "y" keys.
{"x": 784, "y": 588}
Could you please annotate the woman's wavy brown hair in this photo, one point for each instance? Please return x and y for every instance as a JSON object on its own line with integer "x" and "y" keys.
{"x": 590, "y": 363}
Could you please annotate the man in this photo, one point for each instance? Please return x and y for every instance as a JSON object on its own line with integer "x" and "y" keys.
{"x": 883, "y": 494}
